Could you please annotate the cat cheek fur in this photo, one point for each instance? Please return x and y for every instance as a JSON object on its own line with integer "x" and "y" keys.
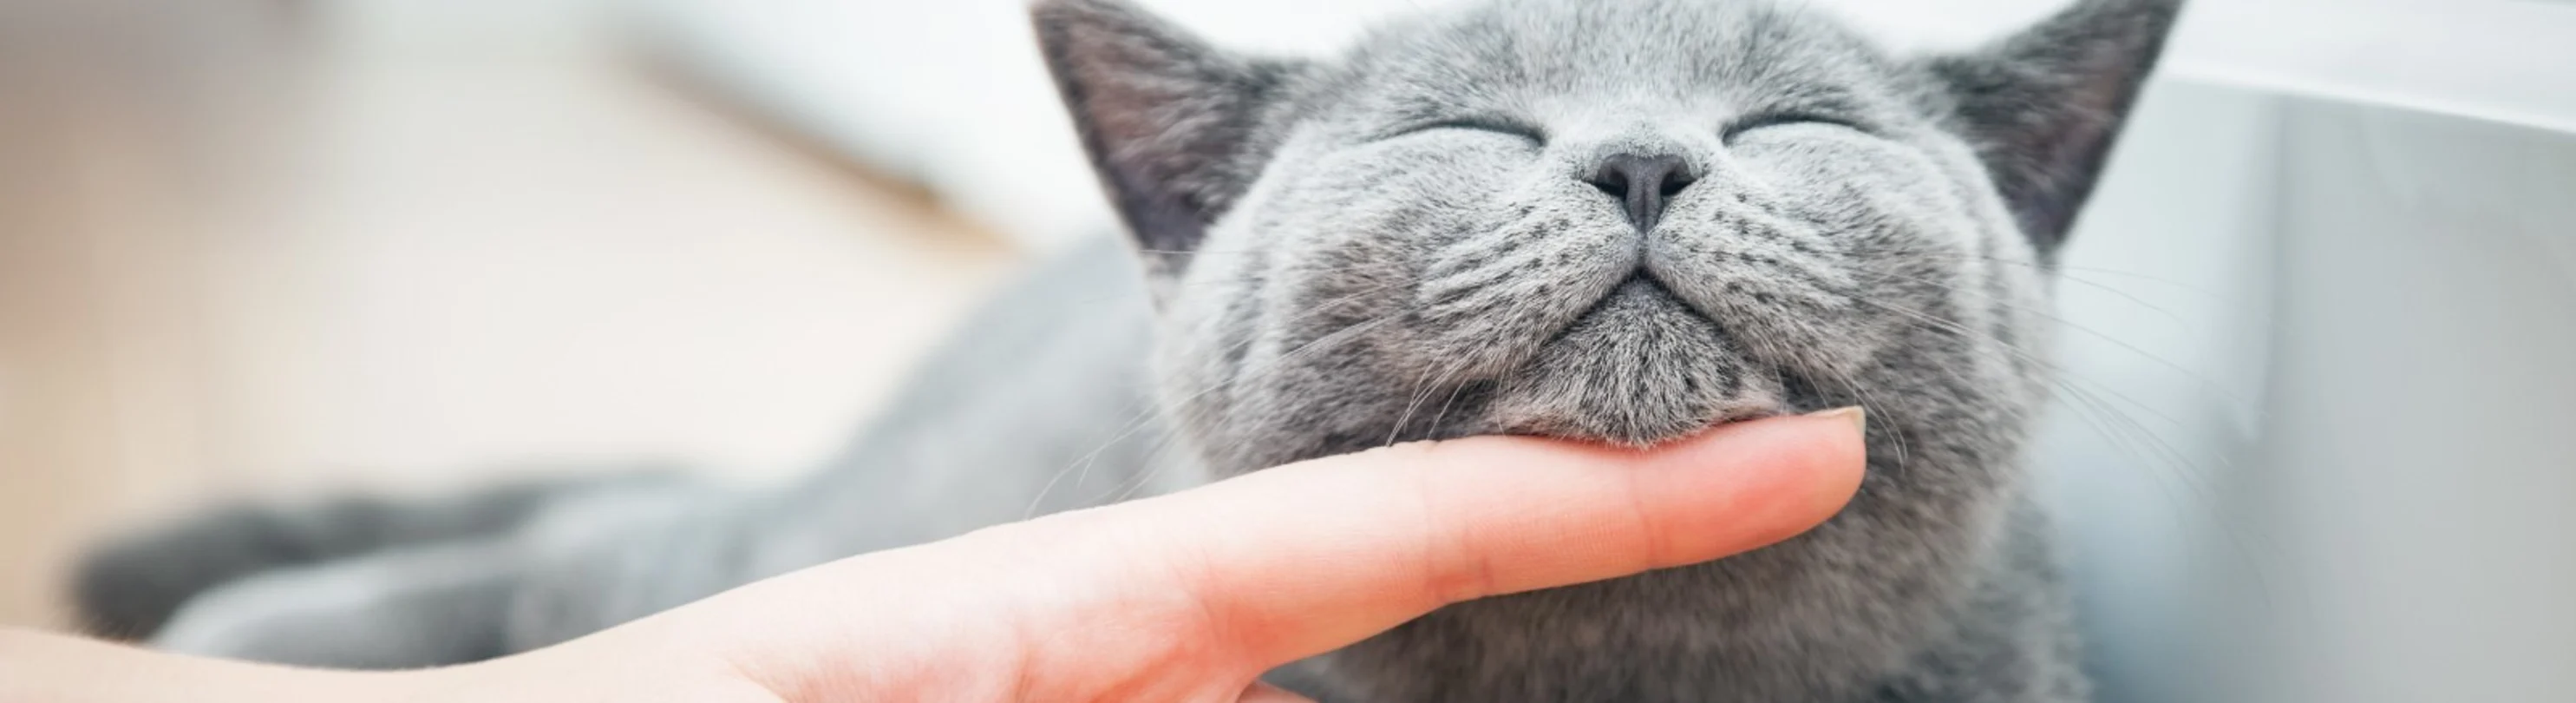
{"x": 1488, "y": 300}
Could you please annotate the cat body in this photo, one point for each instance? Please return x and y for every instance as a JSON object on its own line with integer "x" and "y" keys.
{"x": 1611, "y": 220}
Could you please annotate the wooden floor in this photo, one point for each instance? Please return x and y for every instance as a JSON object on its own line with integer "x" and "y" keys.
{"x": 262, "y": 247}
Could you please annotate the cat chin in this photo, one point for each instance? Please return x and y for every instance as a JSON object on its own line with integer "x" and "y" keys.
{"x": 1639, "y": 369}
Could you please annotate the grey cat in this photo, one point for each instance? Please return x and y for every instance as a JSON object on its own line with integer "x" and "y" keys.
{"x": 1613, "y": 220}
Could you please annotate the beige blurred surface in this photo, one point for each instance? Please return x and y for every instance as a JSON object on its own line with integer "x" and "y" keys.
{"x": 264, "y": 247}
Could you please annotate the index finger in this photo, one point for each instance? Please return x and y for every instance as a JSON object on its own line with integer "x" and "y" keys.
{"x": 1302, "y": 559}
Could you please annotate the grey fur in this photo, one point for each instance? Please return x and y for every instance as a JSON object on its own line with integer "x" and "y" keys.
{"x": 1406, "y": 242}
{"x": 131, "y": 586}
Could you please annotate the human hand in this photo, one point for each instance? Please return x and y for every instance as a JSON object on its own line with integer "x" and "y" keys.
{"x": 1191, "y": 596}
{"x": 1185, "y": 597}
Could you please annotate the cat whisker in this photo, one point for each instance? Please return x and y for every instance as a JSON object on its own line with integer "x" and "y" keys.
{"x": 2068, "y": 273}
{"x": 2204, "y": 381}
{"x": 1424, "y": 394}
{"x": 1183, "y": 403}
{"x": 1861, "y": 395}
{"x": 2123, "y": 430}
{"x": 1138, "y": 423}
{"x": 1437, "y": 420}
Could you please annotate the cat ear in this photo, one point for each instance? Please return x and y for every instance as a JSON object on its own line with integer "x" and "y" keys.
{"x": 1169, "y": 121}
{"x": 2043, "y": 107}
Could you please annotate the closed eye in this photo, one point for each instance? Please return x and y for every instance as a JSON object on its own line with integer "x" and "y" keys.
{"x": 1769, "y": 120}
{"x": 1490, "y": 125}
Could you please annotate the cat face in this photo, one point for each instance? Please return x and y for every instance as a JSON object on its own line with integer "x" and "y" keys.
{"x": 1617, "y": 220}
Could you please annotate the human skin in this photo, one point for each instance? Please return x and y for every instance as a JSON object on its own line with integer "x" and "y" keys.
{"x": 1184, "y": 597}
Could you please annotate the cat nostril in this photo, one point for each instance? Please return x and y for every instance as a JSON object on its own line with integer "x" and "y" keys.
{"x": 1613, "y": 183}
{"x": 1642, "y": 184}
{"x": 1673, "y": 186}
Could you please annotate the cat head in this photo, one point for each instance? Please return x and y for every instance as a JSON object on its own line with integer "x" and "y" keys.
{"x": 1618, "y": 220}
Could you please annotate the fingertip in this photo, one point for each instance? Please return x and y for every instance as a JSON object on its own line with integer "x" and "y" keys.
{"x": 1856, "y": 415}
{"x": 1838, "y": 458}
{"x": 1797, "y": 471}
{"x": 1747, "y": 485}
{"x": 1825, "y": 453}
{"x": 1841, "y": 456}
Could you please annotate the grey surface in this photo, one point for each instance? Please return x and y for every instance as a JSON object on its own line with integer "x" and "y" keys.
{"x": 2164, "y": 329}
{"x": 2415, "y": 467}
{"x": 2344, "y": 334}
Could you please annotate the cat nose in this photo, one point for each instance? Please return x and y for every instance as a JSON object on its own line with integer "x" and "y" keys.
{"x": 1643, "y": 183}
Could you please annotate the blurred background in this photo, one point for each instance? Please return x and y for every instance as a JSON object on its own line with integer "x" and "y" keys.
{"x": 2317, "y": 320}
{"x": 263, "y": 247}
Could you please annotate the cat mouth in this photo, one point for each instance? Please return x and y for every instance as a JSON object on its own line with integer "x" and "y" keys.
{"x": 1640, "y": 367}
{"x": 1641, "y": 284}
